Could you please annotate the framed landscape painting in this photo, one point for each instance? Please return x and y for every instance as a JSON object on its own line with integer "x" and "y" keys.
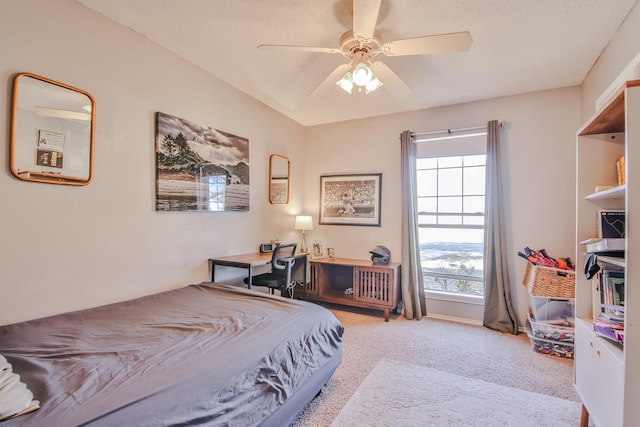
{"x": 199, "y": 168}
{"x": 353, "y": 199}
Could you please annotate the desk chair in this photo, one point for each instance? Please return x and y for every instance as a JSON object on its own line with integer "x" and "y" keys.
{"x": 280, "y": 275}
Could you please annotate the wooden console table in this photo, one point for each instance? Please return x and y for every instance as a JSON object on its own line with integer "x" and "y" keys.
{"x": 356, "y": 283}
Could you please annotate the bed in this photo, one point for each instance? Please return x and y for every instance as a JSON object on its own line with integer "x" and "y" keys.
{"x": 207, "y": 354}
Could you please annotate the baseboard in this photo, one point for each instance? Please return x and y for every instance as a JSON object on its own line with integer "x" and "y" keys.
{"x": 455, "y": 319}
{"x": 521, "y": 329}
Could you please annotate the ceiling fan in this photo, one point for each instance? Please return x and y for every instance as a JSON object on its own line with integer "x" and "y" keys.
{"x": 363, "y": 43}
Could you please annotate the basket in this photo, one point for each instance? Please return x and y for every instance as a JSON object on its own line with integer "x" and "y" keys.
{"x": 549, "y": 281}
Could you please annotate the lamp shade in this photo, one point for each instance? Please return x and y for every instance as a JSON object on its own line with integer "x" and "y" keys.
{"x": 373, "y": 84}
{"x": 346, "y": 82}
{"x": 303, "y": 222}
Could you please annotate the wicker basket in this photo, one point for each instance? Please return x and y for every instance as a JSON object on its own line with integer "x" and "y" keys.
{"x": 549, "y": 281}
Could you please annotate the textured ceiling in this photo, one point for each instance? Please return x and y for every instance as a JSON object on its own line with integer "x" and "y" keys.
{"x": 518, "y": 46}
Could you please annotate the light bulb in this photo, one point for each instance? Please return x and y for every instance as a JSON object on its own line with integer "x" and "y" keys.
{"x": 362, "y": 74}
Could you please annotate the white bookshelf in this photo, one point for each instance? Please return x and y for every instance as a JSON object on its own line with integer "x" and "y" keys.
{"x": 607, "y": 375}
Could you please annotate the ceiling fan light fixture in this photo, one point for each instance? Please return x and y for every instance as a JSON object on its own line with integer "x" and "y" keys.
{"x": 373, "y": 84}
{"x": 346, "y": 82}
{"x": 362, "y": 74}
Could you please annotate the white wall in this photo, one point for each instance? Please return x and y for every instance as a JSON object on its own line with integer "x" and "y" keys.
{"x": 66, "y": 248}
{"x": 539, "y": 145}
{"x": 624, "y": 46}
{"x": 539, "y": 166}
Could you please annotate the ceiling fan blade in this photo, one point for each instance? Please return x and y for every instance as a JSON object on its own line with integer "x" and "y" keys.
{"x": 390, "y": 80}
{"x": 439, "y": 43}
{"x": 61, "y": 114}
{"x": 331, "y": 80}
{"x": 365, "y": 17}
{"x": 300, "y": 48}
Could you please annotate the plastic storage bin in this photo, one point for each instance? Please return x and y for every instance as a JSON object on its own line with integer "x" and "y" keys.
{"x": 552, "y": 309}
{"x": 553, "y": 331}
{"x": 551, "y": 347}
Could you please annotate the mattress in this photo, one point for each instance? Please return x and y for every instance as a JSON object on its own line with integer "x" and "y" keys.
{"x": 207, "y": 354}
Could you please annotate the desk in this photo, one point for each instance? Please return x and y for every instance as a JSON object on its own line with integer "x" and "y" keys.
{"x": 256, "y": 259}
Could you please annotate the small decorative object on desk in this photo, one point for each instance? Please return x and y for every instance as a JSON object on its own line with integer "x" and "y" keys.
{"x": 317, "y": 251}
{"x": 380, "y": 255}
{"x": 331, "y": 253}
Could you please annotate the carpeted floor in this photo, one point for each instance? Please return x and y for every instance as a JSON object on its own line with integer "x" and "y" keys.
{"x": 466, "y": 350}
{"x": 402, "y": 394}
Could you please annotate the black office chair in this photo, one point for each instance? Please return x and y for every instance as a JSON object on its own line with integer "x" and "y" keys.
{"x": 280, "y": 275}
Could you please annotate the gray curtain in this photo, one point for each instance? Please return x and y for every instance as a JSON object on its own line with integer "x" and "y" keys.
{"x": 412, "y": 281}
{"x": 498, "y": 309}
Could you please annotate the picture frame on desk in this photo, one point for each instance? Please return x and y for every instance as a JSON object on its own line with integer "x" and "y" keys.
{"x": 317, "y": 250}
{"x": 331, "y": 253}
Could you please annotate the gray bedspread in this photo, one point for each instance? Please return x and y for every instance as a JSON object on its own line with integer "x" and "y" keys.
{"x": 204, "y": 354}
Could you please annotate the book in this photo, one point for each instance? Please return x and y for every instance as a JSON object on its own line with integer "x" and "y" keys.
{"x": 610, "y": 305}
{"x": 615, "y": 287}
{"x": 595, "y": 295}
{"x": 620, "y": 170}
{"x": 617, "y": 310}
{"x": 605, "y": 331}
{"x": 599, "y": 245}
{"x": 613, "y": 319}
{"x": 608, "y": 324}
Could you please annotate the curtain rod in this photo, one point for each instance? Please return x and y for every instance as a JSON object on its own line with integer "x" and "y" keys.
{"x": 450, "y": 131}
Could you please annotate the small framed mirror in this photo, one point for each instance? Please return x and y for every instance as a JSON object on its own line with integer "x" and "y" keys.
{"x": 279, "y": 168}
{"x": 52, "y": 129}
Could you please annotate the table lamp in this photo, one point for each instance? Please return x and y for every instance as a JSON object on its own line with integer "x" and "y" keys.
{"x": 303, "y": 222}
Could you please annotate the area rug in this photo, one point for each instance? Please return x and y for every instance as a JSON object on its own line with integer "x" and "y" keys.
{"x": 401, "y": 394}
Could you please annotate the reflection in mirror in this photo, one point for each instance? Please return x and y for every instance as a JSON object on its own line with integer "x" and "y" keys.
{"x": 51, "y": 131}
{"x": 279, "y": 178}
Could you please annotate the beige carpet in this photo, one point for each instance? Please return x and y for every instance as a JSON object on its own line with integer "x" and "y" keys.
{"x": 402, "y": 394}
{"x": 470, "y": 351}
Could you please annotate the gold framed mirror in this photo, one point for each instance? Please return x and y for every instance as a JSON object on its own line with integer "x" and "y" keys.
{"x": 52, "y": 128}
{"x": 279, "y": 170}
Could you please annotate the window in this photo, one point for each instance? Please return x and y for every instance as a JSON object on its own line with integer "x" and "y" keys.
{"x": 451, "y": 217}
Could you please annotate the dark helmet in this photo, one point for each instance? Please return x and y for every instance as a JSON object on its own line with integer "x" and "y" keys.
{"x": 380, "y": 255}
